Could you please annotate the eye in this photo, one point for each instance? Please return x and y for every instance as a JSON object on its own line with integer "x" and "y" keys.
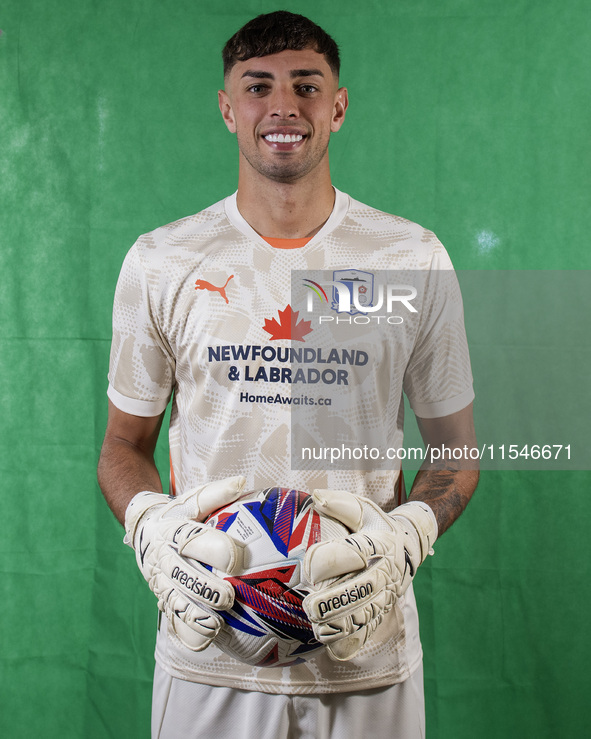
{"x": 257, "y": 89}
{"x": 307, "y": 89}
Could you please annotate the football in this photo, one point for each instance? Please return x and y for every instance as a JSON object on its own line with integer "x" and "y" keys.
{"x": 267, "y": 625}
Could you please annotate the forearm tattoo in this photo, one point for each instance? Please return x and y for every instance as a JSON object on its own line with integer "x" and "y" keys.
{"x": 446, "y": 491}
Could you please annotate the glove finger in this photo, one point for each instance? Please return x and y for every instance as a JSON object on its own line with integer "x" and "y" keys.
{"x": 341, "y": 505}
{"x": 344, "y": 637}
{"x": 331, "y": 559}
{"x": 194, "y": 627}
{"x": 217, "y": 494}
{"x": 337, "y": 629}
{"x": 193, "y": 640}
{"x": 193, "y": 581}
{"x": 210, "y": 546}
{"x": 327, "y": 560}
{"x": 327, "y": 632}
{"x": 355, "y": 512}
{"x": 346, "y": 648}
{"x": 199, "y": 502}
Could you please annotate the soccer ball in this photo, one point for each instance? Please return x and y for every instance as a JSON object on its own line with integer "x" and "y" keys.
{"x": 267, "y": 625}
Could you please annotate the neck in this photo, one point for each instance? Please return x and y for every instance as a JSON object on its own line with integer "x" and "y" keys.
{"x": 286, "y": 210}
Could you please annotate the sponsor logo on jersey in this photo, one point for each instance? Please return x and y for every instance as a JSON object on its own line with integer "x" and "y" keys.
{"x": 263, "y": 370}
{"x": 351, "y": 595}
{"x": 204, "y": 285}
{"x": 289, "y": 325}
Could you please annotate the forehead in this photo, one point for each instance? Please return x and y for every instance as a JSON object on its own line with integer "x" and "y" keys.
{"x": 285, "y": 64}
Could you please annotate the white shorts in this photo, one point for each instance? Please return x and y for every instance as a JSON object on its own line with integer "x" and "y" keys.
{"x": 188, "y": 710}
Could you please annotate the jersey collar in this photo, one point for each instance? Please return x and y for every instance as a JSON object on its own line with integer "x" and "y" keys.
{"x": 340, "y": 208}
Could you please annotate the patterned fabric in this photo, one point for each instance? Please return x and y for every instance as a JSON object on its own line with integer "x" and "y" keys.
{"x": 203, "y": 314}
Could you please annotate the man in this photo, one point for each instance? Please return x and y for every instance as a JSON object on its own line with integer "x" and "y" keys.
{"x": 215, "y": 280}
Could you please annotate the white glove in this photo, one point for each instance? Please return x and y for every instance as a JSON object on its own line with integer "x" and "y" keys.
{"x": 173, "y": 548}
{"x": 383, "y": 549}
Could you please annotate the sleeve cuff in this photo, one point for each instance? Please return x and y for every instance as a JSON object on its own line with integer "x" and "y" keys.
{"x": 135, "y": 407}
{"x": 443, "y": 407}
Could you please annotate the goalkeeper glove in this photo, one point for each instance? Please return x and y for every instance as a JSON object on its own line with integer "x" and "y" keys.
{"x": 358, "y": 578}
{"x": 173, "y": 549}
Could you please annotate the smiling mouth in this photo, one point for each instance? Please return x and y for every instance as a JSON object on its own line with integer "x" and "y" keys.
{"x": 283, "y": 138}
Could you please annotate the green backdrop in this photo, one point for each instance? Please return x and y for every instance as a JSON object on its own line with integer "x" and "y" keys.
{"x": 469, "y": 117}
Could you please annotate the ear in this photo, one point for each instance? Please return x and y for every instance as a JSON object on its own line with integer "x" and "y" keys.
{"x": 340, "y": 108}
{"x": 226, "y": 110}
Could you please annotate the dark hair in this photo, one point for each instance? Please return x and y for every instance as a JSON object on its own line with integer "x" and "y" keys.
{"x": 272, "y": 33}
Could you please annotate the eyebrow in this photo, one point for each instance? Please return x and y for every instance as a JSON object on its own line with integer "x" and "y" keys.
{"x": 259, "y": 75}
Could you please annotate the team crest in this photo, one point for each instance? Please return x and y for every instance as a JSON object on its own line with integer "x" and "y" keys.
{"x": 352, "y": 279}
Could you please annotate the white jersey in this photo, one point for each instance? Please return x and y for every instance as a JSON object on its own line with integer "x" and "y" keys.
{"x": 203, "y": 315}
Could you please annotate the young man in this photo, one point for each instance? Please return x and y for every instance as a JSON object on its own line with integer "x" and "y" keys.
{"x": 215, "y": 280}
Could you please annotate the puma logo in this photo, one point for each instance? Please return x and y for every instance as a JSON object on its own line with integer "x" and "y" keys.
{"x": 204, "y": 285}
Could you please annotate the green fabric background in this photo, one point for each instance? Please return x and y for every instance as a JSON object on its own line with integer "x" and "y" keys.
{"x": 471, "y": 118}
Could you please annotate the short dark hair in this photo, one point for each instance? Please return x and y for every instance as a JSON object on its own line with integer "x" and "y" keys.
{"x": 272, "y": 33}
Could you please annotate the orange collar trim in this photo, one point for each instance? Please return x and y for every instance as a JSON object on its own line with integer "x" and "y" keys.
{"x": 287, "y": 243}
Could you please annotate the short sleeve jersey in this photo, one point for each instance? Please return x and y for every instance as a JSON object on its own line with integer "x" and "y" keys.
{"x": 203, "y": 316}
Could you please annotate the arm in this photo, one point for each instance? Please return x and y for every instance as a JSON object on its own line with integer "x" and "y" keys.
{"x": 126, "y": 465}
{"x": 447, "y": 485}
{"x": 381, "y": 555}
{"x": 165, "y": 532}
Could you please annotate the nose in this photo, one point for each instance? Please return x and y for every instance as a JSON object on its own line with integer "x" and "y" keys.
{"x": 284, "y": 103}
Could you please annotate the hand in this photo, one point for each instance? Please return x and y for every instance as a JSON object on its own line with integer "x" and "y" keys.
{"x": 384, "y": 550}
{"x": 172, "y": 549}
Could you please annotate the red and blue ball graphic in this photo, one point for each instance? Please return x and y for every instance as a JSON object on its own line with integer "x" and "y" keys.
{"x": 267, "y": 625}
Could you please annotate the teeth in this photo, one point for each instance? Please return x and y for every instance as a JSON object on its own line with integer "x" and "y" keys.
{"x": 280, "y": 138}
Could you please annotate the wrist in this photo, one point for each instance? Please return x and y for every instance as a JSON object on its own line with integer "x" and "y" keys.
{"x": 421, "y": 516}
{"x": 136, "y": 509}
